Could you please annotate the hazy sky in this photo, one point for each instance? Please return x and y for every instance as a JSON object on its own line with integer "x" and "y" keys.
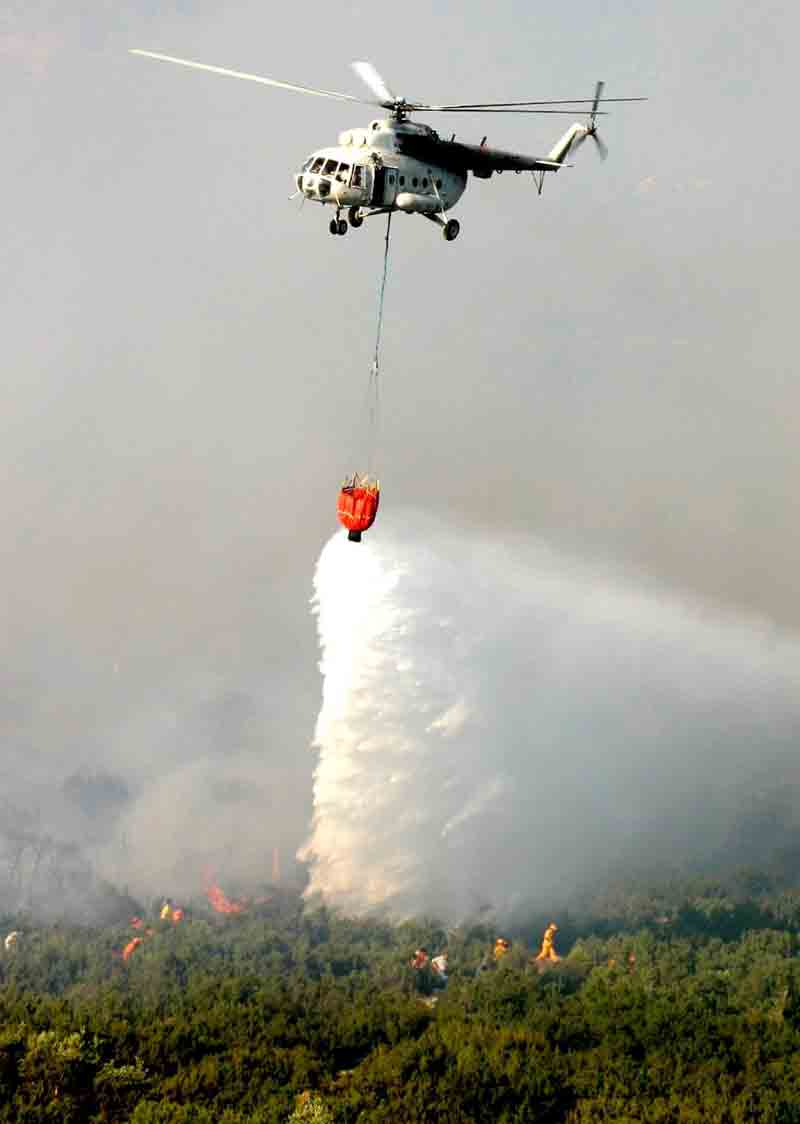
{"x": 186, "y": 352}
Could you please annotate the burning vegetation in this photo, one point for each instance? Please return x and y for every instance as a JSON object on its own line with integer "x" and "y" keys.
{"x": 219, "y": 901}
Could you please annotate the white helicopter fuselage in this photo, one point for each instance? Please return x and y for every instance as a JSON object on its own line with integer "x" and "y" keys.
{"x": 368, "y": 169}
{"x": 399, "y": 165}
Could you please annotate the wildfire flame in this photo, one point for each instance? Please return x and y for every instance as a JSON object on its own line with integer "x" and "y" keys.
{"x": 130, "y": 948}
{"x": 218, "y": 900}
{"x": 168, "y": 912}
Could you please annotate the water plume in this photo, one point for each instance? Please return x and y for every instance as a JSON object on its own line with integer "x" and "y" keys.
{"x": 501, "y": 722}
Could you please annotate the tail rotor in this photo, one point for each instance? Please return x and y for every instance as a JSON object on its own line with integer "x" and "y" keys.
{"x": 591, "y": 128}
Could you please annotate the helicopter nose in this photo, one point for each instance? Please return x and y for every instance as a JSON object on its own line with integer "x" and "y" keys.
{"x": 307, "y": 184}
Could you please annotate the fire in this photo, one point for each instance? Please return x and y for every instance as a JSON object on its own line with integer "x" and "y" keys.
{"x": 130, "y": 948}
{"x": 168, "y": 913}
{"x": 218, "y": 900}
{"x": 221, "y": 903}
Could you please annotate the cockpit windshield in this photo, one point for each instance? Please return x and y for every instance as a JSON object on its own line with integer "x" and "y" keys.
{"x": 327, "y": 166}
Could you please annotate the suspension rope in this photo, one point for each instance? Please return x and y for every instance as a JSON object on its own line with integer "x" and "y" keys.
{"x": 374, "y": 381}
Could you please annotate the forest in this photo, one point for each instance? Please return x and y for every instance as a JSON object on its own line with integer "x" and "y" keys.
{"x": 676, "y": 1000}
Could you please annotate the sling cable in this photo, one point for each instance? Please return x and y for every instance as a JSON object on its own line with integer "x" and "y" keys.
{"x": 360, "y": 492}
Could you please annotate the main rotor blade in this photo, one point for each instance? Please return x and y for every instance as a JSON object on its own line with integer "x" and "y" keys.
{"x": 486, "y": 109}
{"x": 519, "y": 104}
{"x": 373, "y": 81}
{"x": 253, "y": 77}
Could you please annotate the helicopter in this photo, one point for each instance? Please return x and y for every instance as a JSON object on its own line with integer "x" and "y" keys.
{"x": 399, "y": 165}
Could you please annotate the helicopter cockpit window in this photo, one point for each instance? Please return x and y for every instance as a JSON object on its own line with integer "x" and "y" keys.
{"x": 343, "y": 175}
{"x": 330, "y": 167}
{"x": 358, "y": 176}
{"x": 307, "y": 163}
{"x": 317, "y": 165}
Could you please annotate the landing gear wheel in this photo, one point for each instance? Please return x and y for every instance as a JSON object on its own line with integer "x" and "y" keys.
{"x": 450, "y": 230}
{"x": 355, "y": 217}
{"x": 342, "y": 225}
{"x": 333, "y": 226}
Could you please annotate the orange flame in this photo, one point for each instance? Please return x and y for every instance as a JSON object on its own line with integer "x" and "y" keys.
{"x": 218, "y": 900}
{"x": 221, "y": 903}
{"x": 130, "y": 948}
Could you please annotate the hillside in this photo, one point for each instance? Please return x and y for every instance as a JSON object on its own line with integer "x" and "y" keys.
{"x": 679, "y": 1001}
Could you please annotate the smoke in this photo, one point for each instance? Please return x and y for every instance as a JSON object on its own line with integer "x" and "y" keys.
{"x": 501, "y": 723}
{"x": 202, "y": 773}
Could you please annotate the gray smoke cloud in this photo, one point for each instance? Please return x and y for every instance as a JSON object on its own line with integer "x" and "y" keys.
{"x": 502, "y": 723}
{"x": 205, "y": 773}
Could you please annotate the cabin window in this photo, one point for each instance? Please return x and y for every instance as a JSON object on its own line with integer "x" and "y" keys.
{"x": 343, "y": 175}
{"x": 439, "y": 184}
{"x": 391, "y": 179}
{"x": 425, "y": 183}
{"x": 402, "y": 181}
{"x": 415, "y": 182}
{"x": 358, "y": 176}
{"x": 317, "y": 165}
{"x": 330, "y": 167}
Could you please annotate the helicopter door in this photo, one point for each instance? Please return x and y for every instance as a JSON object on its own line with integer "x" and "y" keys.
{"x": 378, "y": 187}
{"x": 362, "y": 181}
